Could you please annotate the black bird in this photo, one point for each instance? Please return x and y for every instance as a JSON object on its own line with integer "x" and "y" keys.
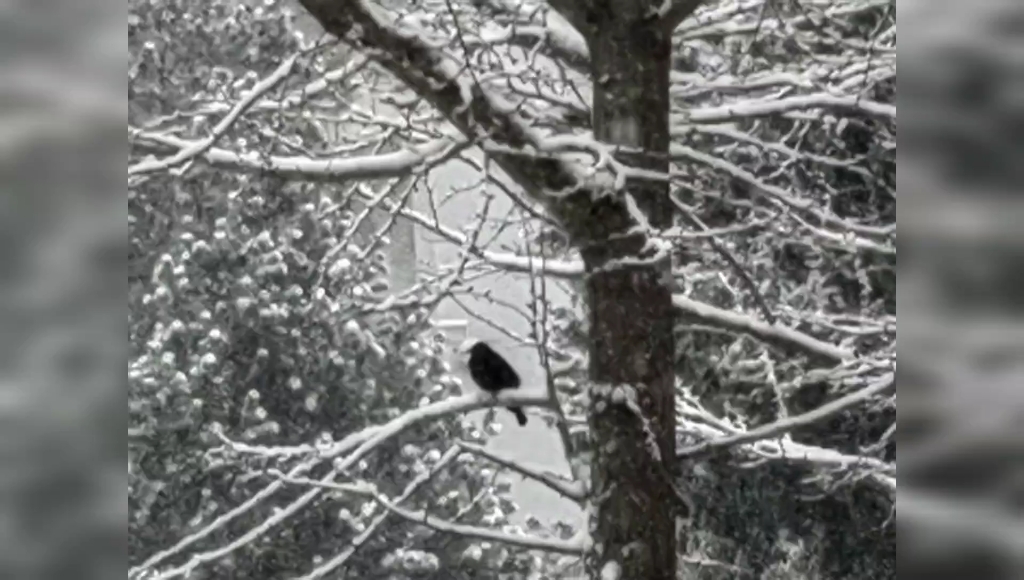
{"x": 492, "y": 373}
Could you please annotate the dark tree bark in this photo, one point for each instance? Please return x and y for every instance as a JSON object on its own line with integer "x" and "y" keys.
{"x": 630, "y": 306}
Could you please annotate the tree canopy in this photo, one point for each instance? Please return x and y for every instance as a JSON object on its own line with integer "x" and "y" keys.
{"x": 713, "y": 181}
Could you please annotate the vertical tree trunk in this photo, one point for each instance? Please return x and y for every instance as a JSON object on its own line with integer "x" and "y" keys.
{"x": 631, "y": 319}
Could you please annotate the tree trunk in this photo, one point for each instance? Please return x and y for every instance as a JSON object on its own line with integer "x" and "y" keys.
{"x": 630, "y": 305}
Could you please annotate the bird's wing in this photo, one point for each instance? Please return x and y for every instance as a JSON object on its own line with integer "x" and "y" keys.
{"x": 509, "y": 377}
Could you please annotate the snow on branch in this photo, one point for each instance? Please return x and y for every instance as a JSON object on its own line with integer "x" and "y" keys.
{"x": 779, "y": 336}
{"x": 367, "y": 440}
{"x": 339, "y": 447}
{"x": 574, "y": 545}
{"x": 569, "y": 489}
{"x": 207, "y": 530}
{"x": 788, "y": 424}
{"x": 186, "y": 569}
{"x": 847, "y": 230}
{"x": 450, "y": 406}
{"x": 698, "y": 422}
{"x": 384, "y": 165}
{"x": 196, "y": 148}
{"x": 766, "y": 107}
{"x": 674, "y": 12}
{"x": 504, "y": 260}
{"x": 475, "y": 110}
{"x": 774, "y": 334}
{"x": 340, "y": 558}
{"x": 297, "y": 97}
{"x": 252, "y": 534}
{"x": 560, "y": 38}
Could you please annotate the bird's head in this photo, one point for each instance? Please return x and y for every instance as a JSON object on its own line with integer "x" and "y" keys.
{"x": 466, "y": 346}
{"x": 464, "y": 351}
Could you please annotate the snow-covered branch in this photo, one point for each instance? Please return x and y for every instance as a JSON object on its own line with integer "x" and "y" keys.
{"x": 557, "y": 180}
{"x": 698, "y": 422}
{"x": 558, "y": 35}
{"x": 788, "y": 424}
{"x": 774, "y": 334}
{"x": 847, "y": 231}
{"x": 384, "y": 165}
{"x": 503, "y": 260}
{"x": 763, "y": 108}
{"x": 569, "y": 489}
{"x": 574, "y": 545}
{"x": 674, "y": 12}
{"x": 197, "y": 148}
{"x": 245, "y": 507}
{"x": 370, "y": 439}
{"x": 184, "y": 570}
{"x": 451, "y": 406}
{"x": 339, "y": 559}
{"x": 297, "y": 97}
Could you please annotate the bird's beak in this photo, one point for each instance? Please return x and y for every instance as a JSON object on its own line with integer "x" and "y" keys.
{"x": 466, "y": 345}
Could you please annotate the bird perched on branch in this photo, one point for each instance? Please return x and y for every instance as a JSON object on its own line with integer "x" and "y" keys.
{"x": 491, "y": 372}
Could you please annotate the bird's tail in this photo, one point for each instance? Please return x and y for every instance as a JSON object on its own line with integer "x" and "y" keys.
{"x": 520, "y": 415}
